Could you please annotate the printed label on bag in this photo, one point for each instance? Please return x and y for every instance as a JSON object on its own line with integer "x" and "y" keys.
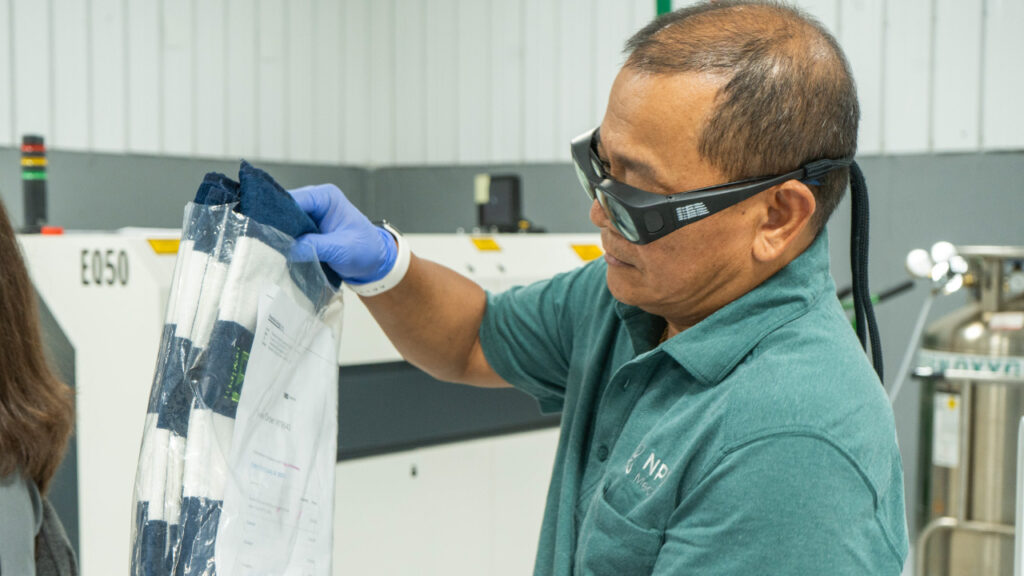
{"x": 278, "y": 505}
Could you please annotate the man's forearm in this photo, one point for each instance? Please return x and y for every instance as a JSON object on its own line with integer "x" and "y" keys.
{"x": 433, "y": 318}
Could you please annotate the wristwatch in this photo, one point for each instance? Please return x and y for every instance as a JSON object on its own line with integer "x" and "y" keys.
{"x": 397, "y": 272}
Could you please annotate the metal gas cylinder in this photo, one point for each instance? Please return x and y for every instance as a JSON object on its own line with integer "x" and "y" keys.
{"x": 971, "y": 365}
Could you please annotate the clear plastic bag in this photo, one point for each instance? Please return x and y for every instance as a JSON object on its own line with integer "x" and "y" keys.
{"x": 236, "y": 468}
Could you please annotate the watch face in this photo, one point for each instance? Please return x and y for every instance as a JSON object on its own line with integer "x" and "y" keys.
{"x": 388, "y": 226}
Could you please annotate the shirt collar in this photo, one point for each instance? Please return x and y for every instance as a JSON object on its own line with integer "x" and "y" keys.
{"x": 713, "y": 347}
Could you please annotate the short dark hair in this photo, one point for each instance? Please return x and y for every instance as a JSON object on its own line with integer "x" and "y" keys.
{"x": 788, "y": 96}
{"x": 36, "y": 409}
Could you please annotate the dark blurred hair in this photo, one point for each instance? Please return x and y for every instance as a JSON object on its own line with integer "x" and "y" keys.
{"x": 788, "y": 96}
{"x": 36, "y": 409}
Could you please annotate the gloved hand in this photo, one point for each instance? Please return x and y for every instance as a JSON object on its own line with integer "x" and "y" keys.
{"x": 348, "y": 242}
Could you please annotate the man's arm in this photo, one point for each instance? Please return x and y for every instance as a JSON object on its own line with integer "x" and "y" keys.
{"x": 432, "y": 315}
{"x": 433, "y": 318}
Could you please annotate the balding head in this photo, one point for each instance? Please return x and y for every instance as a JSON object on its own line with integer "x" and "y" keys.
{"x": 787, "y": 95}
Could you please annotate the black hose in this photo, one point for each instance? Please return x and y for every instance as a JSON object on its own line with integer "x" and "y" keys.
{"x": 894, "y": 291}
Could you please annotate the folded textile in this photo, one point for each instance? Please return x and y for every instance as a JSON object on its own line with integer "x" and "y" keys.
{"x": 150, "y": 556}
{"x": 261, "y": 198}
{"x": 226, "y": 255}
{"x": 220, "y": 373}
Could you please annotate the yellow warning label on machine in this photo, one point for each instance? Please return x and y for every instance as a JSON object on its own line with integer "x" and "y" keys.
{"x": 486, "y": 244}
{"x": 588, "y": 252}
{"x": 164, "y": 245}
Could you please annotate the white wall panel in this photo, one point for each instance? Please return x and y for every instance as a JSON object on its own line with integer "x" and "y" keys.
{"x": 474, "y": 81}
{"x": 643, "y": 12}
{"x": 31, "y": 38}
{"x": 507, "y": 81}
{"x": 677, "y": 4}
{"x": 6, "y": 86}
{"x": 356, "y": 81}
{"x": 109, "y": 129}
{"x": 540, "y": 80}
{"x": 906, "y": 103}
{"x": 1002, "y": 114}
{"x": 298, "y": 83}
{"x": 178, "y": 86}
{"x": 70, "y": 75}
{"x": 210, "y": 96}
{"x": 576, "y": 111}
{"x": 270, "y": 119}
{"x": 382, "y": 82}
{"x": 442, "y": 81}
{"x": 956, "y": 68}
{"x": 861, "y": 34}
{"x": 826, "y": 11}
{"x": 145, "y": 76}
{"x": 326, "y": 82}
{"x": 613, "y": 24}
{"x": 241, "y": 74}
{"x": 410, "y": 82}
{"x": 386, "y": 82}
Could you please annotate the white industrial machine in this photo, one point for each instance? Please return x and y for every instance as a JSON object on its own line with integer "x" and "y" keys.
{"x": 471, "y": 506}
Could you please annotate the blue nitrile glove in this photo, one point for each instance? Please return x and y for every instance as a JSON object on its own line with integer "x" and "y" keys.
{"x": 348, "y": 242}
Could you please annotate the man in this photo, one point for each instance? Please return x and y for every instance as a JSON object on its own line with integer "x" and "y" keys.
{"x": 718, "y": 414}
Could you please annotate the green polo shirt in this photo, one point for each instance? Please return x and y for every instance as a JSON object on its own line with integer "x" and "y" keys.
{"x": 757, "y": 442}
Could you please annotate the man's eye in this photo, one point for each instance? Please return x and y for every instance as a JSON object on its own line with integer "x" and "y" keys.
{"x": 605, "y": 165}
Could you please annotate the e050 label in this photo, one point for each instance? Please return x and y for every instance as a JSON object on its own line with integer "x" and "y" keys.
{"x": 104, "y": 267}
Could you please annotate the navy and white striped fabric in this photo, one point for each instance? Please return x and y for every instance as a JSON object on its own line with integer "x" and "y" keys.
{"x": 236, "y": 240}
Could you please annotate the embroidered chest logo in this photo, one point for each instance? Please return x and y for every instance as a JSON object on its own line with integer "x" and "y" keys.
{"x": 651, "y": 473}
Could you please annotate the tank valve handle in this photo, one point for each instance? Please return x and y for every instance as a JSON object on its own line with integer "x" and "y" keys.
{"x": 946, "y": 269}
{"x": 942, "y": 265}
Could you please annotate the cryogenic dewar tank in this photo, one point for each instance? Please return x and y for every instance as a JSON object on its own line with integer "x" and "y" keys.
{"x": 972, "y": 400}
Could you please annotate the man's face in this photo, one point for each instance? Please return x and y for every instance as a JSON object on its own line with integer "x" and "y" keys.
{"x": 649, "y": 139}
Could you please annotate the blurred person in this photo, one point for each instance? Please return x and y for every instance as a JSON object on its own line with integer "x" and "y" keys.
{"x": 36, "y": 420}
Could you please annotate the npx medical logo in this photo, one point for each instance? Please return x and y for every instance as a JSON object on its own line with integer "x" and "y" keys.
{"x": 652, "y": 470}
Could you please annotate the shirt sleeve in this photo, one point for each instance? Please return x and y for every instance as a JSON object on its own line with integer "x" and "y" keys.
{"x": 786, "y": 505}
{"x": 20, "y": 516}
{"x": 527, "y": 336}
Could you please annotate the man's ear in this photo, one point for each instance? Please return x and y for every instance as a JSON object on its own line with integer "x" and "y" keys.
{"x": 788, "y": 210}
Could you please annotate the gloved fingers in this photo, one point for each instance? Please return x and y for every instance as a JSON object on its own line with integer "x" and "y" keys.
{"x": 320, "y": 200}
{"x": 303, "y": 250}
{"x": 349, "y": 259}
{"x": 318, "y": 243}
{"x": 322, "y": 247}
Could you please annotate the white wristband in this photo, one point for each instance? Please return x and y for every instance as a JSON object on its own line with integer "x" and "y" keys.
{"x": 392, "y": 278}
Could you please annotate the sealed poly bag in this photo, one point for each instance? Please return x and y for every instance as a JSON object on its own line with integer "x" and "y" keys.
{"x": 236, "y": 468}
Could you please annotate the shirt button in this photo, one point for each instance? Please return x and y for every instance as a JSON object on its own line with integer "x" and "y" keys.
{"x": 602, "y": 453}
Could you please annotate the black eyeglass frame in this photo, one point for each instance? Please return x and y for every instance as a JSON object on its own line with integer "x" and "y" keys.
{"x": 653, "y": 215}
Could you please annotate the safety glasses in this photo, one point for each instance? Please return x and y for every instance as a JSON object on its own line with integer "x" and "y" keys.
{"x": 643, "y": 217}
